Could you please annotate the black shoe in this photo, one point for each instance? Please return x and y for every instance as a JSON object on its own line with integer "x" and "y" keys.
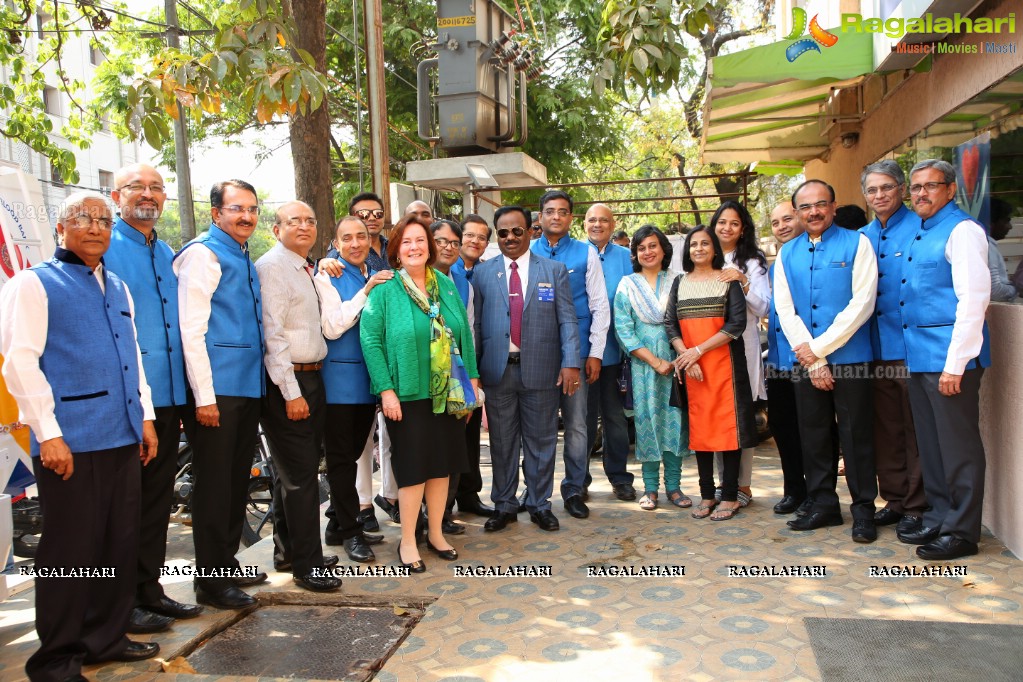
{"x": 449, "y": 527}
{"x": 390, "y": 509}
{"x": 372, "y": 539}
{"x": 908, "y": 523}
{"x": 332, "y": 536}
{"x": 414, "y": 567}
{"x": 947, "y": 547}
{"x": 805, "y": 508}
{"x": 624, "y": 491}
{"x": 787, "y": 505}
{"x": 576, "y": 507}
{"x": 522, "y": 500}
{"x": 329, "y": 561}
{"x": 815, "y": 520}
{"x": 473, "y": 505}
{"x": 920, "y": 536}
{"x": 545, "y": 519}
{"x": 585, "y": 493}
{"x": 864, "y": 530}
{"x": 227, "y": 599}
{"x": 357, "y": 549}
{"x": 168, "y": 607}
{"x": 887, "y": 517}
{"x": 317, "y": 583}
{"x": 137, "y": 651}
{"x": 250, "y": 580}
{"x": 368, "y": 520}
{"x": 142, "y": 622}
{"x": 498, "y": 520}
{"x": 445, "y": 554}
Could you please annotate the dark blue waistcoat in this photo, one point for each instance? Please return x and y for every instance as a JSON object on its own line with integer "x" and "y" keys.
{"x": 345, "y": 376}
{"x": 890, "y": 247}
{"x": 575, "y": 255}
{"x": 616, "y": 262}
{"x": 458, "y": 276}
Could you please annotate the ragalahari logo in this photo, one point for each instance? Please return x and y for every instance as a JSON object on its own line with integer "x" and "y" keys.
{"x": 817, "y": 36}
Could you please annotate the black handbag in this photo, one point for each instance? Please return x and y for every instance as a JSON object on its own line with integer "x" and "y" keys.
{"x": 678, "y": 393}
{"x": 625, "y": 383}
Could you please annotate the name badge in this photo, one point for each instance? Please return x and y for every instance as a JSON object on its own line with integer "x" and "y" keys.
{"x": 544, "y": 291}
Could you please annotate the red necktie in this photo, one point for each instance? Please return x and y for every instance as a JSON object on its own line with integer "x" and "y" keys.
{"x": 515, "y": 304}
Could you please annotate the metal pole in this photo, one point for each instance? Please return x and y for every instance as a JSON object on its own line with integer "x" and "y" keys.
{"x": 378, "y": 149}
{"x": 186, "y": 212}
{"x": 358, "y": 95}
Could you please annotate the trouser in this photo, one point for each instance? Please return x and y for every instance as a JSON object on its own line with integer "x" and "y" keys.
{"x": 90, "y": 521}
{"x": 729, "y": 476}
{"x": 899, "y": 479}
{"x": 470, "y": 483}
{"x": 221, "y": 461}
{"x": 781, "y": 410}
{"x": 605, "y": 399}
{"x": 672, "y": 473}
{"x": 157, "y": 480}
{"x": 364, "y": 477}
{"x": 576, "y": 454}
{"x": 347, "y": 429}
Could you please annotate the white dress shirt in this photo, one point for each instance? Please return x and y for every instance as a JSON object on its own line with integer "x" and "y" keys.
{"x": 758, "y": 304}
{"x": 198, "y": 271}
{"x": 24, "y": 300}
{"x": 523, "y": 263}
{"x": 851, "y": 318}
{"x": 971, "y": 281}
{"x": 600, "y": 309}
{"x": 337, "y": 316}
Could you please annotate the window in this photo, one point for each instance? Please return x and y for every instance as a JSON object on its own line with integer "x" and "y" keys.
{"x": 106, "y": 181}
{"x": 42, "y": 19}
{"x": 55, "y": 177}
{"x": 96, "y": 55}
{"x": 51, "y": 98}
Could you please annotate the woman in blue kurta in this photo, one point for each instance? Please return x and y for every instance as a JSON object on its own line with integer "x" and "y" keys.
{"x": 662, "y": 432}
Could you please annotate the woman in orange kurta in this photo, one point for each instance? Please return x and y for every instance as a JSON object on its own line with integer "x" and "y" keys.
{"x": 705, "y": 319}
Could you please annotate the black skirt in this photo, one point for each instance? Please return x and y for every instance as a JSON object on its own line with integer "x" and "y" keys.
{"x": 425, "y": 445}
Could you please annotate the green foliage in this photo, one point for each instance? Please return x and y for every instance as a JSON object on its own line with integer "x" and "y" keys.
{"x": 169, "y": 225}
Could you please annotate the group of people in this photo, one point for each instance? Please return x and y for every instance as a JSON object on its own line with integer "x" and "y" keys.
{"x": 389, "y": 348}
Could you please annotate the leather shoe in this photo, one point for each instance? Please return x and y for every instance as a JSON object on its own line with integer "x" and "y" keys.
{"x": 522, "y": 500}
{"x": 576, "y": 507}
{"x": 368, "y": 520}
{"x": 585, "y": 493}
{"x": 449, "y": 527}
{"x": 498, "y": 520}
{"x": 137, "y": 651}
{"x": 473, "y": 505}
{"x": 887, "y": 517}
{"x": 230, "y": 598}
{"x": 815, "y": 520}
{"x": 787, "y": 505}
{"x": 546, "y": 519}
{"x": 414, "y": 567}
{"x": 390, "y": 509}
{"x": 142, "y": 622}
{"x": 920, "y": 536}
{"x": 317, "y": 583}
{"x": 805, "y": 508}
{"x": 445, "y": 554}
{"x": 624, "y": 491}
{"x": 864, "y": 531}
{"x": 250, "y": 580}
{"x": 908, "y": 523}
{"x": 329, "y": 561}
{"x": 372, "y": 539}
{"x": 175, "y": 609}
{"x": 357, "y": 549}
{"x": 947, "y": 547}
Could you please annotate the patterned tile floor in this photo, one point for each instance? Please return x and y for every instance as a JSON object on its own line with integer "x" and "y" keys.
{"x": 704, "y": 625}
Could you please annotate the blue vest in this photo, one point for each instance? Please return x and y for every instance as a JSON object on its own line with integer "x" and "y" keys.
{"x": 146, "y": 269}
{"x": 89, "y": 358}
{"x": 575, "y": 255}
{"x": 460, "y": 276}
{"x": 779, "y": 350}
{"x": 234, "y": 340}
{"x": 616, "y": 261}
{"x": 345, "y": 376}
{"x": 890, "y": 245}
{"x": 931, "y": 301}
{"x": 820, "y": 282}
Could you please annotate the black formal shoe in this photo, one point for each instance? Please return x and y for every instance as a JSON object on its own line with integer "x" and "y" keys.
{"x": 372, "y": 539}
{"x": 787, "y": 505}
{"x": 886, "y": 517}
{"x": 329, "y": 561}
{"x": 805, "y": 508}
{"x": 576, "y": 507}
{"x": 473, "y": 505}
{"x": 908, "y": 523}
{"x": 449, "y": 527}
{"x": 390, "y": 509}
{"x": 864, "y": 530}
{"x": 445, "y": 554}
{"x": 624, "y": 491}
{"x": 357, "y": 549}
{"x": 368, "y": 520}
{"x": 947, "y": 547}
{"x": 175, "y": 609}
{"x": 920, "y": 536}
{"x": 250, "y": 580}
{"x": 414, "y": 567}
{"x": 142, "y": 622}
{"x": 137, "y": 651}
{"x": 585, "y": 493}
{"x": 227, "y": 599}
{"x": 498, "y": 520}
{"x": 332, "y": 536}
{"x": 815, "y": 520}
{"x": 545, "y": 519}
{"x": 522, "y": 500}
{"x": 317, "y": 583}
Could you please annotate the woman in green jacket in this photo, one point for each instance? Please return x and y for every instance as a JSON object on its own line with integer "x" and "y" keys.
{"x": 419, "y": 351}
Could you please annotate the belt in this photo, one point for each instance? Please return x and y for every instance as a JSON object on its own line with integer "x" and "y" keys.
{"x": 308, "y": 366}
{"x": 514, "y": 358}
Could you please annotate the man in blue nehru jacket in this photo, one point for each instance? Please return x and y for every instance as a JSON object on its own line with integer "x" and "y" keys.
{"x": 222, "y": 338}
{"x": 143, "y": 261}
{"x": 73, "y": 365}
{"x": 946, "y": 287}
{"x": 825, "y": 283}
{"x": 605, "y": 397}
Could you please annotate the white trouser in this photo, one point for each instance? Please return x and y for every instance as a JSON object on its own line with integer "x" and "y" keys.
{"x": 364, "y": 473}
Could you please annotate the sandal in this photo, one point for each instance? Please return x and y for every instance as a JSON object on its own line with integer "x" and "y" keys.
{"x": 703, "y": 511}
{"x": 649, "y": 501}
{"x": 724, "y": 514}
{"x": 678, "y": 499}
{"x": 744, "y": 499}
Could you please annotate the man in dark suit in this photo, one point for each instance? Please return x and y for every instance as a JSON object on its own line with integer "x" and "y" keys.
{"x": 523, "y": 303}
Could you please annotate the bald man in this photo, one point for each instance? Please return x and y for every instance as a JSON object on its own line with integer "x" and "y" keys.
{"x": 420, "y": 209}
{"x": 143, "y": 261}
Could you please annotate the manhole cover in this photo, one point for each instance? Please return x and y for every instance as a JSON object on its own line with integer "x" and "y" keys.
{"x": 306, "y": 642}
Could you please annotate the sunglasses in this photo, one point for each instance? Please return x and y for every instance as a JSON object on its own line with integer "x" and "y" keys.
{"x": 366, "y": 212}
{"x": 517, "y": 231}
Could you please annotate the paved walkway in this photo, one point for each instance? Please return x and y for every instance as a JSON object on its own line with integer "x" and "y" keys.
{"x": 704, "y": 625}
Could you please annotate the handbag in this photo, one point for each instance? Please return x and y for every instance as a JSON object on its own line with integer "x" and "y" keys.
{"x": 460, "y": 376}
{"x": 625, "y": 383}
{"x": 678, "y": 393}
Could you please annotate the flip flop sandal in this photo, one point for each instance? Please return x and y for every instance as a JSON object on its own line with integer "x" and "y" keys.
{"x": 679, "y": 500}
{"x": 703, "y": 511}
{"x": 743, "y": 499}
{"x": 648, "y": 502}
{"x": 724, "y": 514}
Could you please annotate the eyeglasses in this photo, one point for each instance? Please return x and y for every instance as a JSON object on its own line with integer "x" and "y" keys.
{"x": 364, "y": 213}
{"x": 469, "y": 237}
{"x": 84, "y": 222}
{"x": 138, "y": 188}
{"x": 443, "y": 243}
{"x": 551, "y": 212}
{"x": 884, "y": 189}
{"x": 295, "y": 222}
{"x": 929, "y": 186}
{"x": 806, "y": 208}
{"x": 235, "y": 208}
{"x": 503, "y": 232}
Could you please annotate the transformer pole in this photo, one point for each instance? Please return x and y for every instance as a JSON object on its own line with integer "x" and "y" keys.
{"x": 186, "y": 212}
{"x": 378, "y": 148}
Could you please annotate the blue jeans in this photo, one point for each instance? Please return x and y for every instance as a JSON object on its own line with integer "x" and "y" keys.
{"x": 576, "y": 454}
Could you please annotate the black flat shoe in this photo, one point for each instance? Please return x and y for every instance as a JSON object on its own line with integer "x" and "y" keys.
{"x": 228, "y": 599}
{"x": 250, "y": 580}
{"x": 545, "y": 519}
{"x": 864, "y": 531}
{"x": 908, "y": 524}
{"x": 625, "y": 492}
{"x": 449, "y": 527}
{"x": 317, "y": 583}
{"x": 175, "y": 609}
{"x": 576, "y": 507}
{"x": 388, "y": 508}
{"x": 805, "y": 508}
{"x": 368, "y": 520}
{"x": 473, "y": 505}
{"x": 445, "y": 554}
{"x": 921, "y": 536}
{"x": 815, "y": 520}
{"x": 143, "y": 622}
{"x": 414, "y": 567}
{"x": 498, "y": 520}
{"x": 787, "y": 505}
{"x": 329, "y": 561}
{"x": 137, "y": 651}
{"x": 358, "y": 550}
{"x": 947, "y": 547}
{"x": 886, "y": 517}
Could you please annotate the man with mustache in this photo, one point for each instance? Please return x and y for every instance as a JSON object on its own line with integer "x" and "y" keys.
{"x": 946, "y": 288}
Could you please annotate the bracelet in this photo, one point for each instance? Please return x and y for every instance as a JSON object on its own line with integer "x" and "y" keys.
{"x": 698, "y": 351}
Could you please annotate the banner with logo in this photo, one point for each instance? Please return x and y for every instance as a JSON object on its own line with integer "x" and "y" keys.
{"x": 973, "y": 178}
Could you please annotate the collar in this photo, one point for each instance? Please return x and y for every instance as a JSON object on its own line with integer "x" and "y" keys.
{"x": 131, "y": 232}
{"x": 363, "y": 271}
{"x": 545, "y": 244}
{"x": 524, "y": 258}
{"x": 226, "y": 239}
{"x": 939, "y": 216}
{"x": 71, "y": 258}
{"x": 290, "y": 257}
{"x": 826, "y": 233}
{"x": 601, "y": 251}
